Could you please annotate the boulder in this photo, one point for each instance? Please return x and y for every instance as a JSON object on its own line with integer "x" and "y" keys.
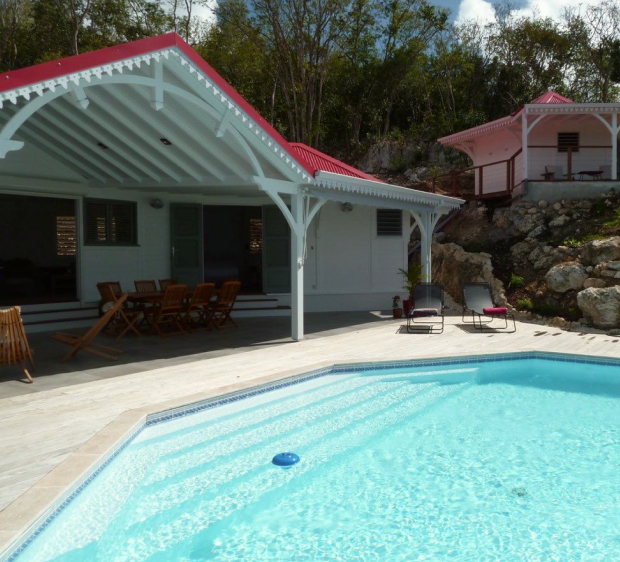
{"x": 593, "y": 282}
{"x": 601, "y": 306}
{"x": 526, "y": 223}
{"x": 538, "y": 231}
{"x": 453, "y": 266}
{"x": 543, "y": 204}
{"x": 565, "y": 277}
{"x": 560, "y": 221}
{"x": 599, "y": 251}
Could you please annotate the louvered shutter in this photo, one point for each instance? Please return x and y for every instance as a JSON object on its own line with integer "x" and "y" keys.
{"x": 389, "y": 222}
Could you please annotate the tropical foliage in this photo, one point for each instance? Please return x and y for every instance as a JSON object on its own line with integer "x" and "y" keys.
{"x": 339, "y": 74}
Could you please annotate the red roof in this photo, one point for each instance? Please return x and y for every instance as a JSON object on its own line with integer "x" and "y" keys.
{"x": 61, "y": 67}
{"x": 321, "y": 161}
{"x": 552, "y": 97}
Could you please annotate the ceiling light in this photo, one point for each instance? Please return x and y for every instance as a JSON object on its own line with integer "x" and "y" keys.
{"x": 166, "y": 142}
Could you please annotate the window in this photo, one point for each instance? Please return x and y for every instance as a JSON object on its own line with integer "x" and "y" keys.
{"x": 389, "y": 222}
{"x": 65, "y": 236}
{"x": 256, "y": 236}
{"x": 566, "y": 140}
{"x": 109, "y": 223}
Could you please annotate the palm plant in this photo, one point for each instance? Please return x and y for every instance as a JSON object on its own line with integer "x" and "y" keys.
{"x": 411, "y": 277}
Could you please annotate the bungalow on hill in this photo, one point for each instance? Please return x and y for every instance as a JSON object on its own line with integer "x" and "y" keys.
{"x": 140, "y": 162}
{"x": 550, "y": 149}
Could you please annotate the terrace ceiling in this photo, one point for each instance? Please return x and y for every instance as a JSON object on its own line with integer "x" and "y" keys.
{"x": 155, "y": 120}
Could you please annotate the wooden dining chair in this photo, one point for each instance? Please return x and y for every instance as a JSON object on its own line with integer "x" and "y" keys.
{"x": 220, "y": 310}
{"x": 163, "y": 283}
{"x": 145, "y": 286}
{"x": 169, "y": 312}
{"x": 114, "y": 286}
{"x": 197, "y": 313}
{"x": 14, "y": 346}
{"x": 124, "y": 319}
{"x": 85, "y": 341}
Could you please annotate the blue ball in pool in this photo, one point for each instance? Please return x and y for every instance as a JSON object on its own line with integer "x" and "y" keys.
{"x": 285, "y": 460}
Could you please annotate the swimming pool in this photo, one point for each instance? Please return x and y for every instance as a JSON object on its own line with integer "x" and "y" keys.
{"x": 504, "y": 458}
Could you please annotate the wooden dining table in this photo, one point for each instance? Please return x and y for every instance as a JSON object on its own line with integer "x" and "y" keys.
{"x": 152, "y": 297}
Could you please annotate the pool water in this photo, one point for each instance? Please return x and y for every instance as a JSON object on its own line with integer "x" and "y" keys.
{"x": 514, "y": 460}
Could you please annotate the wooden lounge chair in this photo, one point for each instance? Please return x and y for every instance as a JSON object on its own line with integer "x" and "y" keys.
{"x": 125, "y": 319}
{"x": 197, "y": 313}
{"x": 145, "y": 286}
{"x": 163, "y": 283}
{"x": 85, "y": 341}
{"x": 170, "y": 311}
{"x": 14, "y": 347}
{"x": 220, "y": 310}
{"x": 477, "y": 298}
{"x": 427, "y": 312}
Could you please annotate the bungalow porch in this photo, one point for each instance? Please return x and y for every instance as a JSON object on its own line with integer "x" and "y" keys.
{"x": 552, "y": 148}
{"x": 140, "y": 162}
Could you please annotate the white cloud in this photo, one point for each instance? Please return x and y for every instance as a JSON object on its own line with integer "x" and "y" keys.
{"x": 482, "y": 10}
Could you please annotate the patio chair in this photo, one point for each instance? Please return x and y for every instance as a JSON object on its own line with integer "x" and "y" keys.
{"x": 477, "y": 298}
{"x": 163, "y": 283}
{"x": 220, "y": 310}
{"x": 85, "y": 341}
{"x": 125, "y": 318}
{"x": 145, "y": 286}
{"x": 555, "y": 172}
{"x": 168, "y": 312}
{"x": 197, "y": 313}
{"x": 427, "y": 311}
{"x": 14, "y": 347}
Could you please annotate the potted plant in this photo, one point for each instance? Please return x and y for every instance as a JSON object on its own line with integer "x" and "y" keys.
{"x": 397, "y": 311}
{"x": 411, "y": 277}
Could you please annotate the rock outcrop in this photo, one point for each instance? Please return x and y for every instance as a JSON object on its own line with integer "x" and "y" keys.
{"x": 601, "y": 307}
{"x": 599, "y": 251}
{"x": 453, "y": 266}
{"x": 566, "y": 277}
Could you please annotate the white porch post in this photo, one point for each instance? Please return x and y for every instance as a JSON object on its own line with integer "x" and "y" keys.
{"x": 426, "y": 220}
{"x": 614, "y": 146}
{"x": 524, "y": 132}
{"x": 297, "y": 267}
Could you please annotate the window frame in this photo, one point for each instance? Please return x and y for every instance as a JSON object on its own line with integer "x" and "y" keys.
{"x": 109, "y": 203}
{"x": 388, "y": 234}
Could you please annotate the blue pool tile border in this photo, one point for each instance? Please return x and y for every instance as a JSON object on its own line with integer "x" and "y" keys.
{"x": 38, "y": 526}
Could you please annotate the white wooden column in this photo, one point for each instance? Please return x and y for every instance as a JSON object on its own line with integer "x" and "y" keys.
{"x": 297, "y": 267}
{"x": 524, "y": 132}
{"x": 427, "y": 221}
{"x": 614, "y": 146}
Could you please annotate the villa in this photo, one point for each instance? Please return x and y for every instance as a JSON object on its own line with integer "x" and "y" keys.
{"x": 550, "y": 148}
{"x": 140, "y": 162}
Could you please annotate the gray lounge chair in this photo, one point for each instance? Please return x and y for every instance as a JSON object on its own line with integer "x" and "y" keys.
{"x": 478, "y": 300}
{"x": 427, "y": 311}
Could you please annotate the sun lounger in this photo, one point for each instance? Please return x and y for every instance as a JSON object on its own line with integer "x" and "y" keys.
{"x": 478, "y": 300}
{"x": 427, "y": 311}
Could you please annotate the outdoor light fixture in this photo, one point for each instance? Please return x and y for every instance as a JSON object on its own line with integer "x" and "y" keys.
{"x": 165, "y": 141}
{"x": 157, "y": 203}
{"x": 101, "y": 145}
{"x": 346, "y": 207}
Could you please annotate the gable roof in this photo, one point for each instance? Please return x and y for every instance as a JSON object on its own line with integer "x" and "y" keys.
{"x": 549, "y": 97}
{"x": 18, "y": 82}
{"x": 321, "y": 161}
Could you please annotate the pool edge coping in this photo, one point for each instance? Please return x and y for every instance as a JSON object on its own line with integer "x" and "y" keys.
{"x": 21, "y": 518}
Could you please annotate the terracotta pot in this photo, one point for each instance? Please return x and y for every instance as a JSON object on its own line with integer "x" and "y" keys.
{"x": 397, "y": 312}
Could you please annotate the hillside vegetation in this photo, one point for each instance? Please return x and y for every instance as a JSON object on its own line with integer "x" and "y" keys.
{"x": 342, "y": 75}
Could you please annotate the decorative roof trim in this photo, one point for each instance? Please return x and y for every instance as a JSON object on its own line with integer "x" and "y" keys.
{"x": 475, "y": 131}
{"x": 348, "y": 184}
{"x": 537, "y": 108}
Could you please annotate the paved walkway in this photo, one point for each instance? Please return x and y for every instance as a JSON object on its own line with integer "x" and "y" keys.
{"x": 42, "y": 424}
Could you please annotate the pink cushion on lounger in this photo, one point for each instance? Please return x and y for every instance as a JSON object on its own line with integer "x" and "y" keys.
{"x": 421, "y": 312}
{"x": 495, "y": 311}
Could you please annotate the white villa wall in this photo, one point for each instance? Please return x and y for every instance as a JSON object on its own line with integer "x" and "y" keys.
{"x": 591, "y": 133}
{"x": 348, "y": 267}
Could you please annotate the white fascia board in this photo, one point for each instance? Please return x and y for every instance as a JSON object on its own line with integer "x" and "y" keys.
{"x": 378, "y": 190}
{"x": 572, "y": 107}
